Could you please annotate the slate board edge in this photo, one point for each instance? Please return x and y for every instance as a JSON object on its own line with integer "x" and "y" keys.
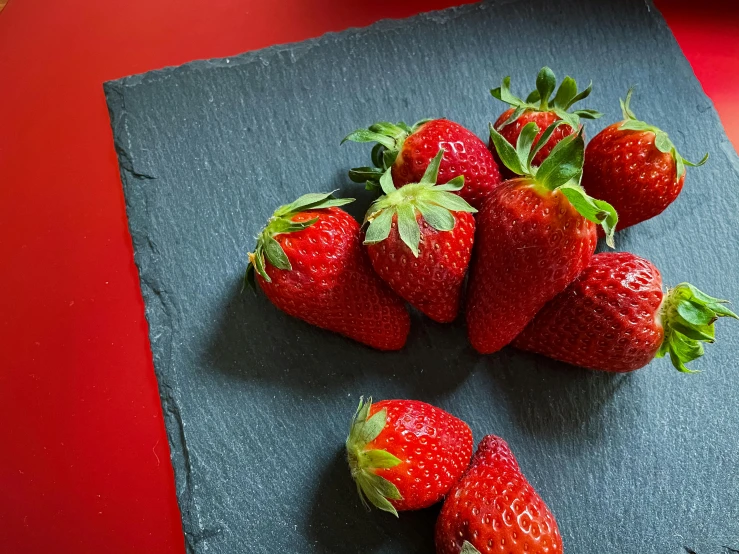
{"x": 160, "y": 310}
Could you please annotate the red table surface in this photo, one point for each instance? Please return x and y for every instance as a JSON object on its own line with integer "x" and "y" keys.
{"x": 84, "y": 461}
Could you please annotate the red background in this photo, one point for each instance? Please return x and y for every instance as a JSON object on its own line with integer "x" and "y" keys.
{"x": 84, "y": 462}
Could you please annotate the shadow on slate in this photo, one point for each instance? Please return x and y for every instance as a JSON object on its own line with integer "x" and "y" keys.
{"x": 257, "y": 404}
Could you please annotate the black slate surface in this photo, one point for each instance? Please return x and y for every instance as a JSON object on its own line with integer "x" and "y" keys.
{"x": 257, "y": 404}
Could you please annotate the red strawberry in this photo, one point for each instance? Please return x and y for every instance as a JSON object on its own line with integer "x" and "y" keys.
{"x": 405, "y": 454}
{"x": 635, "y": 167}
{"x": 543, "y": 110}
{"x": 310, "y": 263}
{"x": 493, "y": 509}
{"x": 534, "y": 236}
{"x": 409, "y": 150}
{"x": 614, "y": 317}
{"x": 419, "y": 240}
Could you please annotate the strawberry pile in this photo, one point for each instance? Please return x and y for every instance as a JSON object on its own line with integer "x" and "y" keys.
{"x": 407, "y": 455}
{"x": 505, "y": 232}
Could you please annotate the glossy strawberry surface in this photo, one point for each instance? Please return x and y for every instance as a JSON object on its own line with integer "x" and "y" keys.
{"x": 432, "y": 282}
{"x": 495, "y": 509}
{"x": 433, "y": 446}
{"x": 464, "y": 154}
{"x": 530, "y": 243}
{"x": 625, "y": 168}
{"x": 332, "y": 284}
{"x": 607, "y": 319}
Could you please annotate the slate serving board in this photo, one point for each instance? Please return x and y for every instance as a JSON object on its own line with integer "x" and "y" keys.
{"x": 257, "y": 404}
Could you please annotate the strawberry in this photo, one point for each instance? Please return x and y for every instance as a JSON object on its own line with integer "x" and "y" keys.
{"x": 534, "y": 235}
{"x": 494, "y": 509}
{"x": 635, "y": 167}
{"x": 409, "y": 150}
{"x": 406, "y": 454}
{"x": 419, "y": 241}
{"x": 541, "y": 109}
{"x": 310, "y": 263}
{"x": 614, "y": 317}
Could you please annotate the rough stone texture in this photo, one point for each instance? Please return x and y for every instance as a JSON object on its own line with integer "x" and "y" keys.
{"x": 257, "y": 404}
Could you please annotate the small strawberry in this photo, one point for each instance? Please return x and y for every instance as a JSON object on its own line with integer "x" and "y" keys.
{"x": 419, "y": 240}
{"x": 406, "y": 454}
{"x": 635, "y": 167}
{"x": 540, "y": 108}
{"x": 409, "y": 150}
{"x": 310, "y": 263}
{"x": 493, "y": 509}
{"x": 535, "y": 234}
{"x": 614, "y": 317}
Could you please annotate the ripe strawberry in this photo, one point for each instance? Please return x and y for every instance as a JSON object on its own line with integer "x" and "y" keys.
{"x": 494, "y": 509}
{"x": 409, "y": 150}
{"x": 543, "y": 110}
{"x": 614, "y": 317}
{"x": 535, "y": 234}
{"x": 405, "y": 454}
{"x": 419, "y": 241}
{"x": 310, "y": 263}
{"x": 635, "y": 167}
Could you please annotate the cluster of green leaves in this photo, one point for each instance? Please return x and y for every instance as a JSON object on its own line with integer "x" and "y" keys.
{"x": 389, "y": 138}
{"x": 688, "y": 317}
{"x": 540, "y": 99}
{"x": 661, "y": 140}
{"x": 363, "y": 463}
{"x": 435, "y": 203}
{"x": 561, "y": 170}
{"x": 281, "y": 222}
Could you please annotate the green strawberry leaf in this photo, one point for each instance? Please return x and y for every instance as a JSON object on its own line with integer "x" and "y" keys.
{"x": 597, "y": 211}
{"x": 506, "y": 152}
{"x": 467, "y": 548}
{"x": 503, "y": 93}
{"x": 365, "y": 135}
{"x": 565, "y": 93}
{"x": 432, "y": 170}
{"x": 386, "y": 182}
{"x": 275, "y": 254}
{"x": 408, "y": 228}
{"x": 542, "y": 141}
{"x": 379, "y": 459}
{"x": 581, "y": 96}
{"x": 379, "y": 227}
{"x": 439, "y": 218}
{"x": 364, "y": 174}
{"x": 524, "y": 142}
{"x": 563, "y": 163}
{"x": 545, "y": 83}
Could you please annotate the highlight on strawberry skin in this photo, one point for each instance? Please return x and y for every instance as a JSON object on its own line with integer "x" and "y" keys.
{"x": 615, "y": 317}
{"x": 407, "y": 152}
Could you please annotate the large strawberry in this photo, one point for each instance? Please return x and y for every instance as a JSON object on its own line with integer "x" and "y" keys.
{"x": 406, "y": 454}
{"x": 614, "y": 317}
{"x": 535, "y": 234}
{"x": 634, "y": 166}
{"x": 494, "y": 509}
{"x": 419, "y": 240}
{"x": 409, "y": 150}
{"x": 310, "y": 262}
{"x": 543, "y": 110}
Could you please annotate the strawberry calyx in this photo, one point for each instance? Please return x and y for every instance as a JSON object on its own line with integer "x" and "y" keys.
{"x": 467, "y": 548}
{"x": 363, "y": 463}
{"x": 540, "y": 99}
{"x": 435, "y": 203}
{"x": 661, "y": 140}
{"x": 688, "y": 316}
{"x": 389, "y": 138}
{"x": 560, "y": 171}
{"x": 280, "y": 223}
